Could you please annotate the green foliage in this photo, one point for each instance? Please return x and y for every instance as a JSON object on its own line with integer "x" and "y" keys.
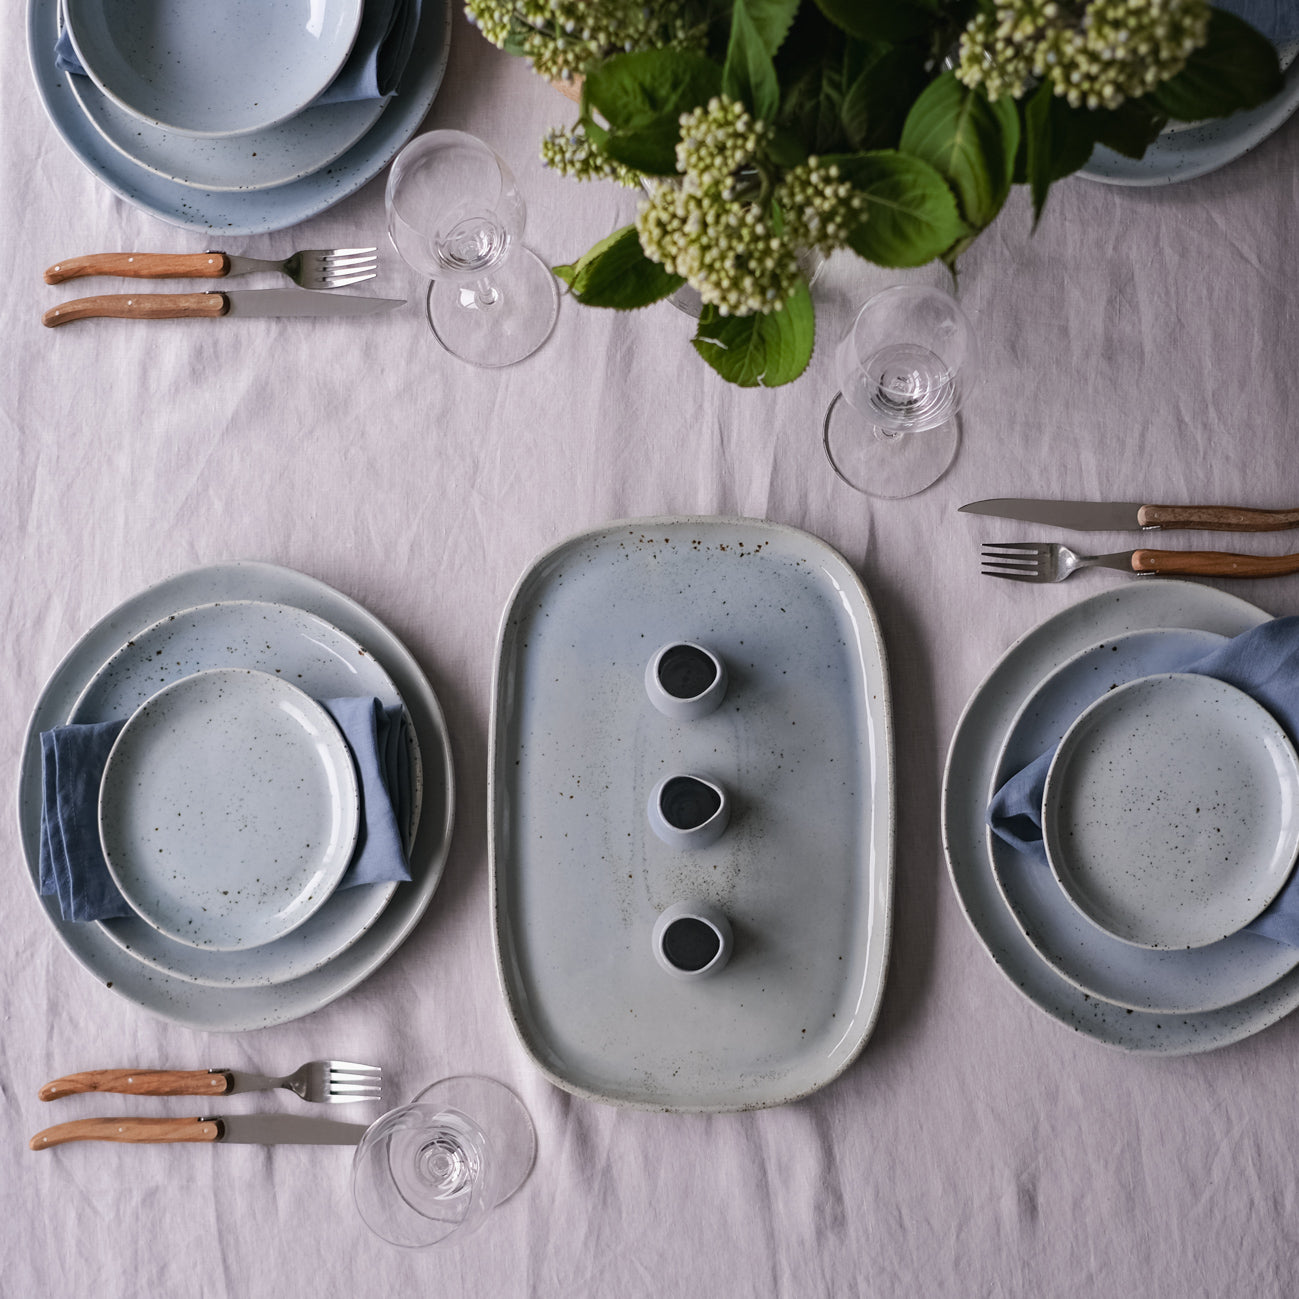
{"x": 855, "y": 136}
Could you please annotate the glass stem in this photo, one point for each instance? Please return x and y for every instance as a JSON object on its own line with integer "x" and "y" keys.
{"x": 481, "y": 295}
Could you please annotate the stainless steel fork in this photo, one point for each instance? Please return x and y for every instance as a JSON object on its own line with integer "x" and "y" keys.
{"x": 309, "y": 268}
{"x": 318, "y": 1080}
{"x": 1048, "y": 561}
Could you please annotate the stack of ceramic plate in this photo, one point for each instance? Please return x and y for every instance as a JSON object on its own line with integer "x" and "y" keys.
{"x": 212, "y": 122}
{"x": 255, "y": 646}
{"x": 1119, "y": 937}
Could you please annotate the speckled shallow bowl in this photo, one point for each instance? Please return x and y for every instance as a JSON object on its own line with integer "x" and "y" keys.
{"x": 206, "y": 69}
{"x": 229, "y": 809}
{"x": 1171, "y": 811}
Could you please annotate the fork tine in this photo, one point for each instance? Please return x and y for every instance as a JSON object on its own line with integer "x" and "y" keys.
{"x": 1010, "y": 577}
{"x": 334, "y": 282}
{"x": 1029, "y": 547}
{"x": 346, "y": 252}
{"x": 355, "y": 1068}
{"x": 358, "y": 1090}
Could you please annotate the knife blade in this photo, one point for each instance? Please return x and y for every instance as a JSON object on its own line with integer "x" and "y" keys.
{"x": 1128, "y": 516}
{"x": 212, "y": 304}
{"x": 230, "y": 1129}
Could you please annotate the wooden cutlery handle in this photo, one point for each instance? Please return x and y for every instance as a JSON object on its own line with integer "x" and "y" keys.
{"x": 138, "y": 306}
{"x": 1213, "y": 563}
{"x": 133, "y": 1130}
{"x": 140, "y": 1082}
{"x": 145, "y": 266}
{"x": 1216, "y": 518}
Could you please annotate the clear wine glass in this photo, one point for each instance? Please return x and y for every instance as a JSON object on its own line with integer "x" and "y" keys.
{"x": 456, "y": 215}
{"x": 435, "y": 1168}
{"x": 903, "y": 369}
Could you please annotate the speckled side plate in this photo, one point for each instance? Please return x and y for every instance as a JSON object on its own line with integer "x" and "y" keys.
{"x": 251, "y": 211}
{"x": 1169, "y": 813}
{"x": 1191, "y": 149}
{"x": 802, "y": 742}
{"x": 1093, "y": 961}
{"x": 229, "y": 809}
{"x": 232, "y": 1009}
{"x": 1149, "y": 602}
{"x": 313, "y": 655}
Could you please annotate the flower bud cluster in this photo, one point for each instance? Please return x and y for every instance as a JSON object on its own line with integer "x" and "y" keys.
{"x": 561, "y": 37}
{"x": 571, "y": 153}
{"x": 715, "y": 227}
{"x": 1095, "y": 55}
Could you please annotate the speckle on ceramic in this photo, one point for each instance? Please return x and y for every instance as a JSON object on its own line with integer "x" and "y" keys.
{"x": 1171, "y": 811}
{"x": 229, "y": 809}
{"x": 689, "y": 812}
{"x": 692, "y": 940}
{"x": 685, "y": 681}
{"x": 206, "y": 69}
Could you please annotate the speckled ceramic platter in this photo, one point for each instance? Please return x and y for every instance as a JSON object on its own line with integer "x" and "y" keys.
{"x": 230, "y": 1009}
{"x": 1170, "y": 811}
{"x": 1096, "y": 963}
{"x": 228, "y": 809}
{"x": 802, "y": 744}
{"x": 1190, "y": 149}
{"x": 313, "y": 655}
{"x": 1153, "y": 602}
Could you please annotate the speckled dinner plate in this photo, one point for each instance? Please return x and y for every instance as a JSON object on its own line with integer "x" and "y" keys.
{"x": 231, "y": 1009}
{"x": 1095, "y": 962}
{"x": 801, "y": 743}
{"x": 310, "y": 653}
{"x": 1144, "y": 603}
{"x": 228, "y": 809}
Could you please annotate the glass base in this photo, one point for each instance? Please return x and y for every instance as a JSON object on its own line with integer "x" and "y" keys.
{"x": 505, "y": 331}
{"x": 890, "y": 465}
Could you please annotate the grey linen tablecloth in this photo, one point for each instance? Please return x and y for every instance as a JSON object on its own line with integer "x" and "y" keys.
{"x": 1140, "y": 344}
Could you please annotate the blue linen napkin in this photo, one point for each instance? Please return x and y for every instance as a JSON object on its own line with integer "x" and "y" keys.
{"x": 373, "y": 68}
{"x": 1264, "y": 663}
{"x": 72, "y": 866}
{"x": 1278, "y": 20}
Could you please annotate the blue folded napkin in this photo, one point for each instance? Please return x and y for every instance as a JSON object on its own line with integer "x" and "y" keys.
{"x": 1264, "y": 663}
{"x": 373, "y": 68}
{"x": 1278, "y": 20}
{"x": 72, "y": 866}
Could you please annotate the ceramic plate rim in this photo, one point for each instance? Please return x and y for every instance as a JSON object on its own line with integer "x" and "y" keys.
{"x": 883, "y": 826}
{"x": 243, "y": 212}
{"x": 975, "y": 741}
{"x": 201, "y": 1006}
{"x": 332, "y": 750}
{"x": 1269, "y": 879}
{"x": 1063, "y": 962}
{"x": 90, "y": 22}
{"x": 1251, "y": 128}
{"x": 130, "y": 936}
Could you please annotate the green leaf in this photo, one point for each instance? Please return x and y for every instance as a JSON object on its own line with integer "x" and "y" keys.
{"x": 641, "y": 96}
{"x": 1057, "y": 141}
{"x": 749, "y": 74}
{"x": 970, "y": 142}
{"x": 1128, "y": 129}
{"x": 911, "y": 214}
{"x": 760, "y": 350}
{"x": 616, "y": 273}
{"x": 880, "y": 20}
{"x": 1235, "y": 68}
{"x": 879, "y": 83}
{"x": 771, "y": 20}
